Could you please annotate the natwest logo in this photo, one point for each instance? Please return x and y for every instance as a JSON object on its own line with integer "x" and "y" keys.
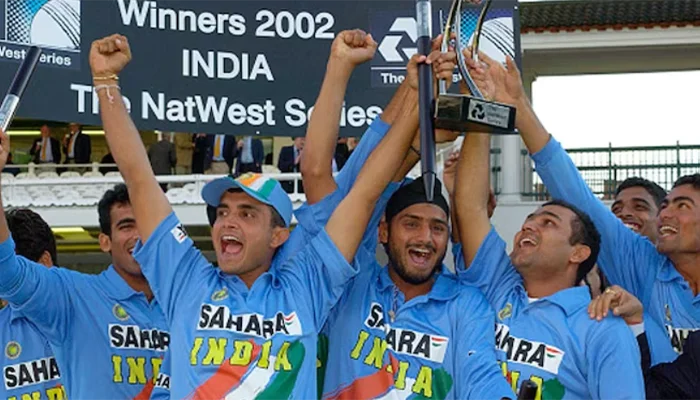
{"x": 389, "y": 46}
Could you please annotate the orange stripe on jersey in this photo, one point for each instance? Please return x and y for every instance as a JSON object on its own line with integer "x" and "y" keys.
{"x": 225, "y": 379}
{"x": 370, "y": 386}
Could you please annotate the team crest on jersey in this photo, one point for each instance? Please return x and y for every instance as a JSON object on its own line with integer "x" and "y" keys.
{"x": 522, "y": 351}
{"x": 120, "y": 312}
{"x": 13, "y": 350}
{"x": 405, "y": 341}
{"x": 220, "y": 295}
{"x": 506, "y": 312}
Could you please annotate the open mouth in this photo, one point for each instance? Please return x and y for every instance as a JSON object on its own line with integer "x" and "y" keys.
{"x": 633, "y": 226}
{"x": 667, "y": 230}
{"x": 231, "y": 245}
{"x": 527, "y": 242}
{"x": 419, "y": 256}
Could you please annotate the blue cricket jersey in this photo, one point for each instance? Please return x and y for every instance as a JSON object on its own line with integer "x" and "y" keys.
{"x": 232, "y": 342}
{"x": 107, "y": 338}
{"x": 553, "y": 341}
{"x": 315, "y": 216}
{"x": 29, "y": 369}
{"x": 440, "y": 345}
{"x": 627, "y": 258}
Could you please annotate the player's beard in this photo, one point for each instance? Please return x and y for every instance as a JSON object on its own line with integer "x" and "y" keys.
{"x": 397, "y": 266}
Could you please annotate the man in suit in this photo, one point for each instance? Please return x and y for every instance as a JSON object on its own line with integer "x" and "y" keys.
{"x": 77, "y": 147}
{"x": 250, "y": 155}
{"x": 289, "y": 161}
{"x": 221, "y": 151}
{"x": 45, "y": 150}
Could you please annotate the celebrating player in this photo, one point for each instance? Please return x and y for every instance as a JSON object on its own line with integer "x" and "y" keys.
{"x": 111, "y": 316}
{"x": 544, "y": 331}
{"x": 242, "y": 327}
{"x": 663, "y": 275}
{"x": 25, "y": 348}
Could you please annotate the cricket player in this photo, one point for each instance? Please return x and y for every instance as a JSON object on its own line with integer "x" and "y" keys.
{"x": 243, "y": 327}
{"x": 28, "y": 364}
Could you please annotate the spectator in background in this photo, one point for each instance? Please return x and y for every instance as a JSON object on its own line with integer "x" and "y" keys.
{"x": 184, "y": 149}
{"x": 77, "y": 147}
{"x": 45, "y": 150}
{"x": 108, "y": 159}
{"x": 341, "y": 153}
{"x": 163, "y": 158}
{"x": 250, "y": 155}
{"x": 199, "y": 153}
{"x": 8, "y": 167}
{"x": 221, "y": 151}
{"x": 289, "y": 161}
{"x": 351, "y": 143}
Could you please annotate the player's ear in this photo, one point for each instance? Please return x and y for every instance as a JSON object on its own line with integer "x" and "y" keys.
{"x": 46, "y": 260}
{"x": 383, "y": 231}
{"x": 105, "y": 243}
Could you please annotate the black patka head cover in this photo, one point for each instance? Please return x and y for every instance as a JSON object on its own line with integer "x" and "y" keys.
{"x": 414, "y": 193}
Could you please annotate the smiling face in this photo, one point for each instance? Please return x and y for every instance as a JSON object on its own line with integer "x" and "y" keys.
{"x": 416, "y": 241}
{"x": 243, "y": 235}
{"x": 636, "y": 208}
{"x": 542, "y": 247}
{"x": 679, "y": 222}
{"x": 121, "y": 240}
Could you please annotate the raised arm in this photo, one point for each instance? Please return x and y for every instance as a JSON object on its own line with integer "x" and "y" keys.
{"x": 379, "y": 169}
{"x": 349, "y": 49}
{"x": 108, "y": 57}
{"x": 472, "y": 194}
{"x": 625, "y": 257}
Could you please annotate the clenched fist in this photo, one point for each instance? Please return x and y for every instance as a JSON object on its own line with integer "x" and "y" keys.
{"x": 109, "y": 56}
{"x": 353, "y": 47}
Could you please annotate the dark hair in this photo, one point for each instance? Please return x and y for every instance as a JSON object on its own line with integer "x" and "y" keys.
{"x": 583, "y": 231}
{"x": 31, "y": 234}
{"x": 693, "y": 180}
{"x": 276, "y": 219}
{"x": 119, "y": 194}
{"x": 657, "y": 192}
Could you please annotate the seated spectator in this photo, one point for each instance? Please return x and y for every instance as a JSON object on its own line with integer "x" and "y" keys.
{"x": 108, "y": 159}
{"x": 8, "y": 169}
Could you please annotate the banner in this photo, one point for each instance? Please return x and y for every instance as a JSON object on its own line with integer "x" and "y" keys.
{"x": 233, "y": 67}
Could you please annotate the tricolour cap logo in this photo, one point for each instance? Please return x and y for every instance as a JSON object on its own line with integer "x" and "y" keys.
{"x": 120, "y": 312}
{"x": 13, "y": 350}
{"x": 506, "y": 312}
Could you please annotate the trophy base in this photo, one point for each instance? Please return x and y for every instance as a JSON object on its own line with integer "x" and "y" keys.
{"x": 468, "y": 114}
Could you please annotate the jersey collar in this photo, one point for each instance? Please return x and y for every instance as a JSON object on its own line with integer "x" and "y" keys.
{"x": 115, "y": 285}
{"x": 444, "y": 288}
{"x": 570, "y": 300}
{"x": 668, "y": 272}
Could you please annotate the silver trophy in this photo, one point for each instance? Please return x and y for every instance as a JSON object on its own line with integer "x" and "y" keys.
{"x": 469, "y": 113}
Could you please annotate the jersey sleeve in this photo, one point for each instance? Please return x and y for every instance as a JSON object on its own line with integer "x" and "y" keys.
{"x": 491, "y": 270}
{"x": 317, "y": 276}
{"x": 370, "y": 139}
{"x": 41, "y": 294}
{"x": 171, "y": 263}
{"x": 479, "y": 376}
{"x": 614, "y": 362}
{"x": 625, "y": 257}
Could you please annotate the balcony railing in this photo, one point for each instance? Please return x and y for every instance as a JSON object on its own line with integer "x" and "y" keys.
{"x": 605, "y": 168}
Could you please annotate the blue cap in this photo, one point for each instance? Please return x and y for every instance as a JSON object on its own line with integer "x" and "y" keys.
{"x": 261, "y": 188}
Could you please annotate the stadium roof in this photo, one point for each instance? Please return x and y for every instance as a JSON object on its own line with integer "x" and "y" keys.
{"x": 573, "y": 15}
